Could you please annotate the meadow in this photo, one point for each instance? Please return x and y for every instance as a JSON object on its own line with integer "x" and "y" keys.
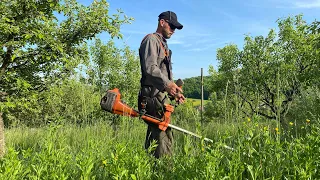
{"x": 115, "y": 151}
{"x": 197, "y": 102}
{"x": 263, "y": 101}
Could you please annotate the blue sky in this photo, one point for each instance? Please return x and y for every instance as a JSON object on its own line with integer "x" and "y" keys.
{"x": 208, "y": 25}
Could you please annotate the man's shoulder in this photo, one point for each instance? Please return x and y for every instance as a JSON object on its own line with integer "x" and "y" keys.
{"x": 150, "y": 37}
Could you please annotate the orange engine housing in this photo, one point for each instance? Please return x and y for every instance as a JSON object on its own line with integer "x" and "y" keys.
{"x": 112, "y": 103}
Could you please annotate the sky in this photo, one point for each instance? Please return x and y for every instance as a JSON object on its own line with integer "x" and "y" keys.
{"x": 208, "y": 26}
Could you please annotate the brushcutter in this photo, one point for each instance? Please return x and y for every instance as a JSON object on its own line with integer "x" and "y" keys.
{"x": 112, "y": 103}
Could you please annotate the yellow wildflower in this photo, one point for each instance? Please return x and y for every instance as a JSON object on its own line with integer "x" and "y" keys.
{"x": 277, "y": 129}
{"x": 104, "y": 162}
{"x": 308, "y": 120}
{"x": 265, "y": 128}
{"x": 291, "y": 123}
{"x": 248, "y": 119}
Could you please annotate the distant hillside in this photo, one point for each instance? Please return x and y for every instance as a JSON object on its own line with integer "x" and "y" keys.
{"x": 192, "y": 87}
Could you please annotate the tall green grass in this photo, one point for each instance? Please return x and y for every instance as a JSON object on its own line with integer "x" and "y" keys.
{"x": 104, "y": 151}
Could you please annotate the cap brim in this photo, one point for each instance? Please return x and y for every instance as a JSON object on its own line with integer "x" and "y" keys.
{"x": 177, "y": 25}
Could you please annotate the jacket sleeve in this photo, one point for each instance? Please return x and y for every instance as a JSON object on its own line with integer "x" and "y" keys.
{"x": 149, "y": 55}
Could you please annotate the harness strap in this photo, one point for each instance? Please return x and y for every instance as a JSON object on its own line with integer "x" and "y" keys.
{"x": 166, "y": 53}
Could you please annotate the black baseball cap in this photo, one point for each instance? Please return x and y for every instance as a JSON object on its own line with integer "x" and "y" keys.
{"x": 171, "y": 17}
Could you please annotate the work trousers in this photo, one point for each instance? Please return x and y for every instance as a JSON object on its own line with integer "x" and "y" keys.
{"x": 155, "y": 107}
{"x": 163, "y": 140}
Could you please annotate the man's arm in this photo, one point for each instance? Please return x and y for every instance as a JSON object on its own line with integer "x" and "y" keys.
{"x": 149, "y": 50}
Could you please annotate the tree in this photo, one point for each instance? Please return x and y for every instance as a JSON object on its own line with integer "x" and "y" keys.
{"x": 112, "y": 67}
{"x": 39, "y": 49}
{"x": 269, "y": 73}
{"x": 192, "y": 87}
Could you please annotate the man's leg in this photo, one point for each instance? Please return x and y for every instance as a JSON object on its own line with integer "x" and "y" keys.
{"x": 164, "y": 141}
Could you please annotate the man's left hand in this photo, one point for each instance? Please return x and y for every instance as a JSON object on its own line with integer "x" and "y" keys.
{"x": 180, "y": 98}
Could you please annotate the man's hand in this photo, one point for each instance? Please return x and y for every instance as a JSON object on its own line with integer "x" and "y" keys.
{"x": 173, "y": 89}
{"x": 180, "y": 98}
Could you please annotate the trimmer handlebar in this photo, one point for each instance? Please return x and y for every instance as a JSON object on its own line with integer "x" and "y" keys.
{"x": 179, "y": 83}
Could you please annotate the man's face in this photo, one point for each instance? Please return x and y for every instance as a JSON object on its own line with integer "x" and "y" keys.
{"x": 167, "y": 29}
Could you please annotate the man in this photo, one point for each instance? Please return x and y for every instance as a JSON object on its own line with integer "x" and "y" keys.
{"x": 156, "y": 81}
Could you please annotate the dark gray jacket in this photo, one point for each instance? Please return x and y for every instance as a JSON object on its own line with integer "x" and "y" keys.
{"x": 156, "y": 68}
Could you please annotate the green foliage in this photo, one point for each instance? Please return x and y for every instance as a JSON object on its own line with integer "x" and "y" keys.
{"x": 306, "y": 106}
{"x": 273, "y": 77}
{"x": 192, "y": 87}
{"x": 186, "y": 114}
{"x": 72, "y": 152}
{"x": 115, "y": 68}
{"x": 197, "y": 102}
{"x": 269, "y": 73}
{"x": 68, "y": 102}
{"x": 71, "y": 102}
{"x": 98, "y": 152}
{"x": 214, "y": 107}
{"x": 77, "y": 100}
{"x": 38, "y": 50}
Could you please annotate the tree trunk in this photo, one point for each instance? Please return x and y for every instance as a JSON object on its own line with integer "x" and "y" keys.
{"x": 2, "y": 142}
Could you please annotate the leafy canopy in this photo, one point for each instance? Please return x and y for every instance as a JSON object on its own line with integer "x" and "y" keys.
{"x": 38, "y": 48}
{"x": 269, "y": 73}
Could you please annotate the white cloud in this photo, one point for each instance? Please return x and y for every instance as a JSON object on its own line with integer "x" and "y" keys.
{"x": 201, "y": 34}
{"x": 198, "y": 49}
{"x": 307, "y": 4}
{"x": 285, "y": 4}
{"x": 133, "y": 32}
{"x": 175, "y": 42}
{"x": 205, "y": 47}
{"x": 206, "y": 40}
{"x": 190, "y": 39}
{"x": 190, "y": 4}
{"x": 187, "y": 45}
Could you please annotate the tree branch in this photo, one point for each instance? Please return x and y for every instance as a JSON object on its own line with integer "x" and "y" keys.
{"x": 6, "y": 61}
{"x": 2, "y": 96}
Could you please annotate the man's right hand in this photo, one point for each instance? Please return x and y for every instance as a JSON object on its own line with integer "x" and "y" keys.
{"x": 173, "y": 89}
